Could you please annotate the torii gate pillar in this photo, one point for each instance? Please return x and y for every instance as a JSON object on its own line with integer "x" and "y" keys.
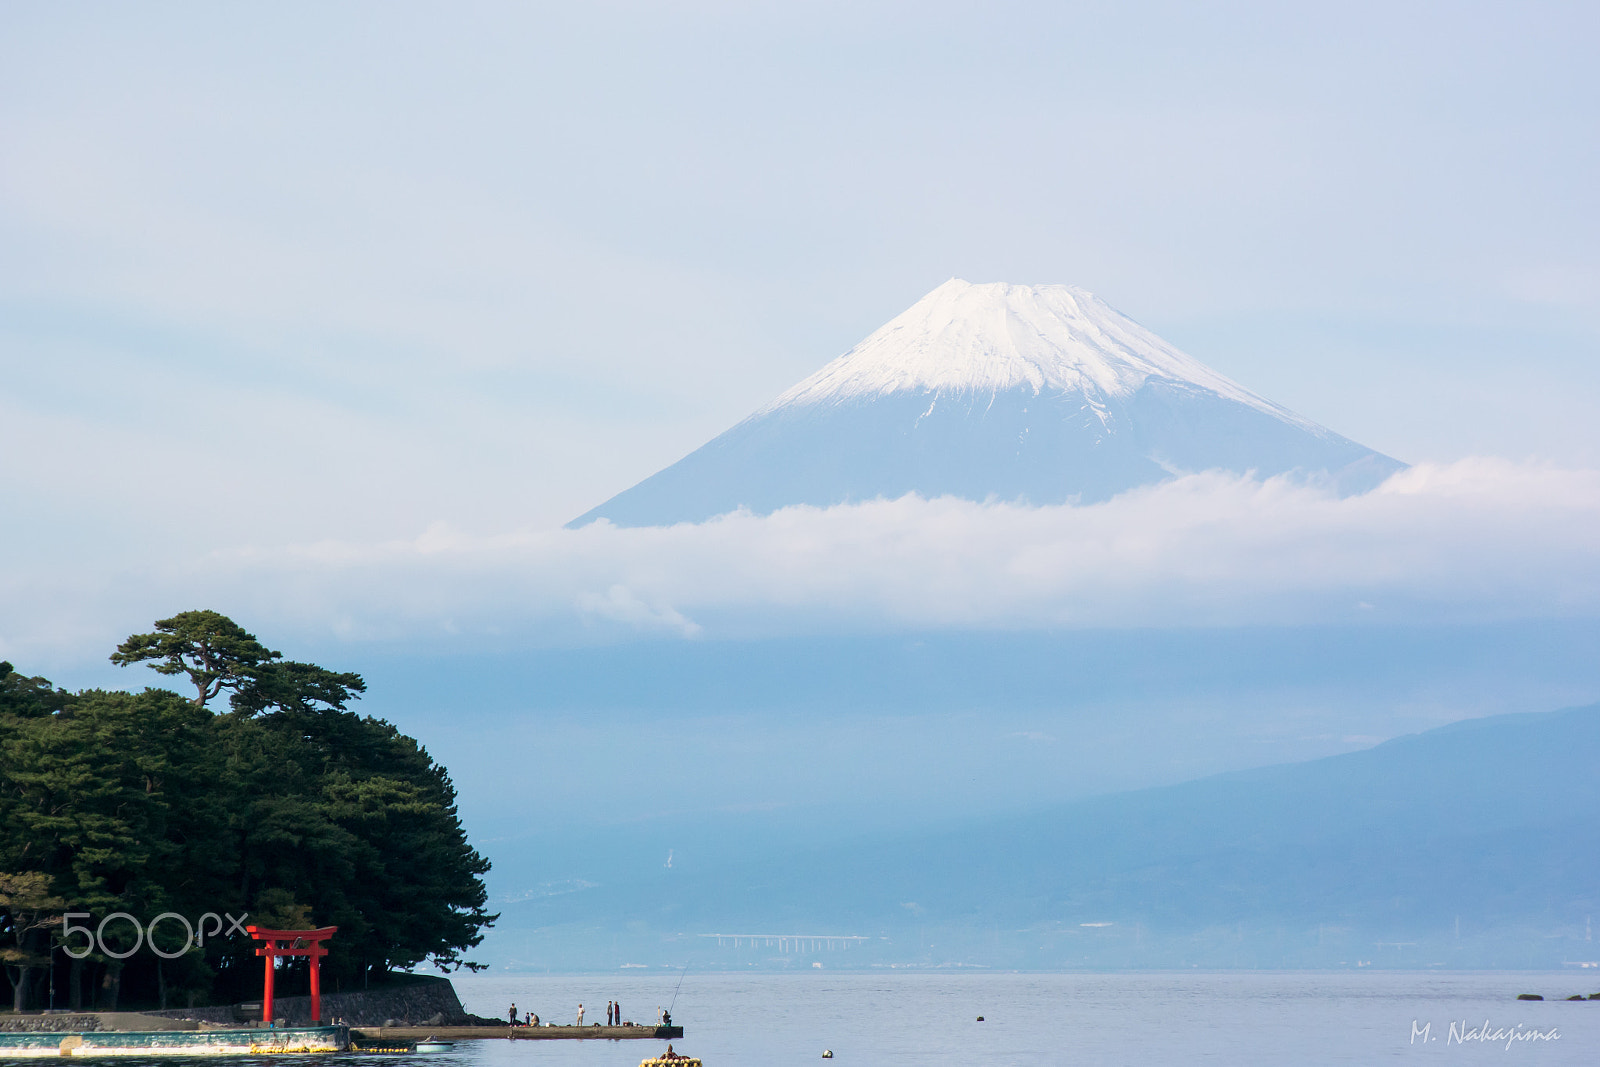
{"x": 277, "y": 943}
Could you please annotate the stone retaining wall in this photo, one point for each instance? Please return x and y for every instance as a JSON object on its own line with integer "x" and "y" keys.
{"x": 426, "y": 1001}
{"x": 29, "y": 1024}
{"x": 86, "y": 1022}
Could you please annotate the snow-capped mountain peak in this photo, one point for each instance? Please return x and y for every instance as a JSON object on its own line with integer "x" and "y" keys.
{"x": 993, "y": 337}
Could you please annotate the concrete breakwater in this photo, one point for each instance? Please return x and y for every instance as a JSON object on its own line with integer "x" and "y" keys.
{"x": 189, "y": 1042}
{"x": 424, "y": 1001}
{"x": 394, "y": 1014}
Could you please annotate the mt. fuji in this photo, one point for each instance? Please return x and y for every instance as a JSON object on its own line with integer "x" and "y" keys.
{"x": 1040, "y": 394}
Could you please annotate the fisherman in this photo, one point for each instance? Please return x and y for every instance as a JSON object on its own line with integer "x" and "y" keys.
{"x": 580, "y": 1014}
{"x": 512, "y": 1016}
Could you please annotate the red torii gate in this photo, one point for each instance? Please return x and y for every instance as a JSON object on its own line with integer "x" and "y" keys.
{"x": 292, "y": 943}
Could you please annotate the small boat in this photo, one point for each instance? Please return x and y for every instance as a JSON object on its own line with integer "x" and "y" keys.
{"x": 432, "y": 1044}
{"x": 672, "y": 1061}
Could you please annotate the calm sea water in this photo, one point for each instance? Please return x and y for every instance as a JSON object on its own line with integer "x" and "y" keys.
{"x": 1242, "y": 1019}
{"x": 1148, "y": 1020}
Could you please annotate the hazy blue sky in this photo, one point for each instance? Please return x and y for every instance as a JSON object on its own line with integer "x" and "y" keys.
{"x": 392, "y": 278}
{"x": 329, "y": 315}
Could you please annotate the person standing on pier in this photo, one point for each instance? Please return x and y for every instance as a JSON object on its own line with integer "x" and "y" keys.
{"x": 609, "y": 1012}
{"x": 619, "y": 1013}
{"x": 513, "y": 1015}
{"x": 580, "y": 1014}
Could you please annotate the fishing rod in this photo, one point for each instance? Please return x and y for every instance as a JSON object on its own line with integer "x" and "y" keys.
{"x": 675, "y": 991}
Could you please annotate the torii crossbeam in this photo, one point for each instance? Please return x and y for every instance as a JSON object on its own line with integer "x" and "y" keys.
{"x": 292, "y": 943}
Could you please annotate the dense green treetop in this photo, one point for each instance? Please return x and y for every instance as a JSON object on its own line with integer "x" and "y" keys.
{"x": 213, "y": 650}
{"x": 27, "y": 698}
{"x": 295, "y": 688}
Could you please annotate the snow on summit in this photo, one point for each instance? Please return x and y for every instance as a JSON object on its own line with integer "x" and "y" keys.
{"x": 992, "y": 337}
{"x": 1039, "y": 394}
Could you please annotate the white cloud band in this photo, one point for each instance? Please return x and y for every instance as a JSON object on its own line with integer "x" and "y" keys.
{"x": 1475, "y": 540}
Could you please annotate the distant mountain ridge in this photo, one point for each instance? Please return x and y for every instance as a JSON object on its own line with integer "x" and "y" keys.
{"x": 1472, "y": 845}
{"x": 1041, "y": 394}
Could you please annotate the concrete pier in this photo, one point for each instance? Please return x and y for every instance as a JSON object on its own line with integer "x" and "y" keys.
{"x": 377, "y": 1035}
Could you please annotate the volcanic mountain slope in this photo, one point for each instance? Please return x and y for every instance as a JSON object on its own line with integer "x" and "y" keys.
{"x": 1041, "y": 394}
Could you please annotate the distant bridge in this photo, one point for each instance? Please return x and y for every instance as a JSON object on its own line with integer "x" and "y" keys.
{"x": 799, "y": 942}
